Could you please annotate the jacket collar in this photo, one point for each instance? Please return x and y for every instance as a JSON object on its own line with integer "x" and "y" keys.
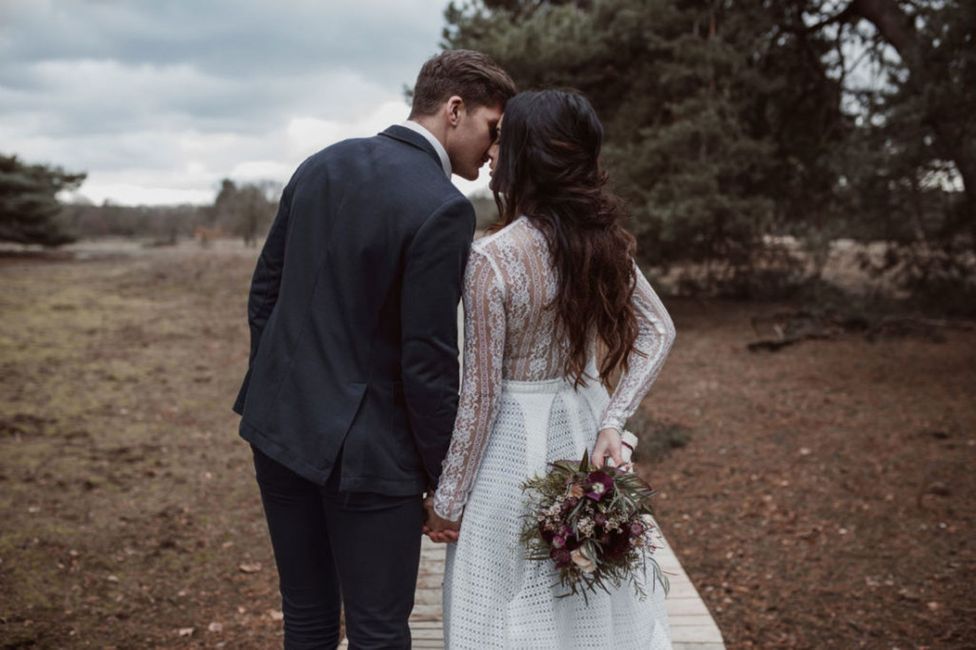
{"x": 416, "y": 139}
{"x": 434, "y": 142}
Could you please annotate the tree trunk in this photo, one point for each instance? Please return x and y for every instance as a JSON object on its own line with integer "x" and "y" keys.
{"x": 896, "y": 27}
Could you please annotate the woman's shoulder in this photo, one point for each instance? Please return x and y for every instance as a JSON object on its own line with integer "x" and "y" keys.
{"x": 514, "y": 235}
{"x": 511, "y": 253}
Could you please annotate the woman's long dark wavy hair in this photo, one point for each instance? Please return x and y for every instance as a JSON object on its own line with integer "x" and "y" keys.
{"x": 549, "y": 170}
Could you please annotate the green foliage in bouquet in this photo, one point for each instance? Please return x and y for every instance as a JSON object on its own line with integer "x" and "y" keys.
{"x": 594, "y": 524}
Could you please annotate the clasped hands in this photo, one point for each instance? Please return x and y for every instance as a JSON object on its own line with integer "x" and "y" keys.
{"x": 437, "y": 528}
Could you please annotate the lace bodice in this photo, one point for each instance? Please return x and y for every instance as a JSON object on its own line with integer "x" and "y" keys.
{"x": 510, "y": 335}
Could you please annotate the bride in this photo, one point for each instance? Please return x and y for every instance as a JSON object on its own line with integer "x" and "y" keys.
{"x": 552, "y": 285}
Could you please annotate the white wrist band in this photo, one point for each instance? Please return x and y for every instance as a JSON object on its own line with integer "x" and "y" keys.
{"x": 629, "y": 442}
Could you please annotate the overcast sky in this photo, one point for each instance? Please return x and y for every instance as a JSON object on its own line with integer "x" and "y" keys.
{"x": 158, "y": 101}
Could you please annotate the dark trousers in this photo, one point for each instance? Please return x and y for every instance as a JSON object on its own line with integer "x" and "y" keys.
{"x": 332, "y": 548}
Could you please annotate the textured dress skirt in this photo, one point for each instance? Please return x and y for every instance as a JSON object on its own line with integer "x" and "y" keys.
{"x": 493, "y": 596}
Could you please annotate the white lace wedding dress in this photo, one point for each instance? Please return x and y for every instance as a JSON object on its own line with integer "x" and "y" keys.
{"x": 517, "y": 413}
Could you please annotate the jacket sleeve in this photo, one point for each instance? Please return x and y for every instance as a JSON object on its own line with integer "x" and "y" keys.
{"x": 265, "y": 284}
{"x": 432, "y": 279}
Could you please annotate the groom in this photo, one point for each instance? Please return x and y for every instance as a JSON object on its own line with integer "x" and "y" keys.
{"x": 352, "y": 385}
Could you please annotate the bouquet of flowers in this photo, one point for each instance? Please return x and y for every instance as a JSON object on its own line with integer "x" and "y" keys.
{"x": 595, "y": 524}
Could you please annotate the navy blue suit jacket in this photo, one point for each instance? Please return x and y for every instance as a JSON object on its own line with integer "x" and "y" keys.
{"x": 353, "y": 317}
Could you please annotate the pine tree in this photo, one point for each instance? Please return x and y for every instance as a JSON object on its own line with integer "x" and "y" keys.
{"x": 28, "y": 202}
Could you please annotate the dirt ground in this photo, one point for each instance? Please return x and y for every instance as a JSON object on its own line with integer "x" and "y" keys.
{"x": 823, "y": 496}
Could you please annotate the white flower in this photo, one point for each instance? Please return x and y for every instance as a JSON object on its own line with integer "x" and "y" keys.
{"x": 586, "y": 526}
{"x": 580, "y": 559}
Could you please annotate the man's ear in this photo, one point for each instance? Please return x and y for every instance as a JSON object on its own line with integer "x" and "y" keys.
{"x": 455, "y": 107}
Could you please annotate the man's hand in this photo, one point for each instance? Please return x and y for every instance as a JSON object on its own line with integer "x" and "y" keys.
{"x": 438, "y": 529}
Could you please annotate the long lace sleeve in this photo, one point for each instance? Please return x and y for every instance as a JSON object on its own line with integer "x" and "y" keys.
{"x": 484, "y": 345}
{"x": 655, "y": 336}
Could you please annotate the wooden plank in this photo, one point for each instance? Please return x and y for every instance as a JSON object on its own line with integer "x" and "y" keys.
{"x": 690, "y": 621}
{"x": 420, "y": 625}
{"x": 696, "y": 635}
{"x": 681, "y": 607}
{"x": 428, "y": 633}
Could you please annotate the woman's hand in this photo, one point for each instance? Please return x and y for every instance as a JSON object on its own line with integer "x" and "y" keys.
{"x": 437, "y": 529}
{"x": 607, "y": 446}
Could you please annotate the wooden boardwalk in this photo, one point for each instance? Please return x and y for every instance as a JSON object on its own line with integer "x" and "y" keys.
{"x": 692, "y": 626}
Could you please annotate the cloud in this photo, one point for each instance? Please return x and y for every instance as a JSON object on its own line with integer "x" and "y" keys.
{"x": 304, "y": 134}
{"x": 159, "y": 101}
{"x": 226, "y": 36}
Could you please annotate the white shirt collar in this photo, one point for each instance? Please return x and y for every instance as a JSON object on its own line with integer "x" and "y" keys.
{"x": 434, "y": 142}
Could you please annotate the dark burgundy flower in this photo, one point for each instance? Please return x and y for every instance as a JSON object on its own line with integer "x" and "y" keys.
{"x": 636, "y": 529}
{"x": 561, "y": 557}
{"x": 545, "y": 532}
{"x": 617, "y": 547}
{"x": 600, "y": 485}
